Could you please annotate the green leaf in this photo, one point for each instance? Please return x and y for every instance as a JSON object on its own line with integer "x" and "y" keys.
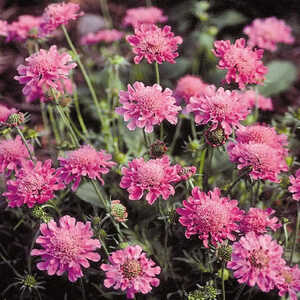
{"x": 87, "y": 193}
{"x": 229, "y": 17}
{"x": 172, "y": 71}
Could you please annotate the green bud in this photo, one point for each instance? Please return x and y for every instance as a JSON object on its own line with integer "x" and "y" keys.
{"x": 226, "y": 274}
{"x": 120, "y": 158}
{"x": 224, "y": 252}
{"x": 123, "y": 245}
{"x": 212, "y": 30}
{"x": 29, "y": 281}
{"x": 193, "y": 145}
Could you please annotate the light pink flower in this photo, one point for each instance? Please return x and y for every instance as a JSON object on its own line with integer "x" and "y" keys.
{"x": 295, "y": 185}
{"x": 224, "y": 108}
{"x": 255, "y": 260}
{"x": 267, "y": 33}
{"x": 147, "y": 106}
{"x": 5, "y": 112}
{"x": 257, "y": 220}
{"x": 12, "y": 153}
{"x": 34, "y": 184}
{"x": 253, "y": 99}
{"x": 3, "y": 28}
{"x": 84, "y": 162}
{"x": 144, "y": 15}
{"x": 44, "y": 70}
{"x": 131, "y": 271}
{"x": 244, "y": 64}
{"x": 154, "y": 44}
{"x": 154, "y": 176}
{"x": 57, "y": 14}
{"x": 213, "y": 217}
{"x": 66, "y": 247}
{"x": 105, "y": 35}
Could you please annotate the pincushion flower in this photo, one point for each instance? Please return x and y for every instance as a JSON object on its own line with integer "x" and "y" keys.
{"x": 255, "y": 260}
{"x": 253, "y": 99}
{"x": 130, "y": 270}
{"x": 295, "y": 185}
{"x": 267, "y": 33}
{"x": 209, "y": 215}
{"x": 3, "y": 28}
{"x": 57, "y": 14}
{"x": 222, "y": 108}
{"x": 105, "y": 35}
{"x": 34, "y": 184}
{"x": 66, "y": 247}
{"x": 154, "y": 44}
{"x": 144, "y": 15}
{"x": 118, "y": 211}
{"x": 5, "y": 112}
{"x": 147, "y": 106}
{"x": 257, "y": 220}
{"x": 84, "y": 162}
{"x": 44, "y": 70}
{"x": 154, "y": 176}
{"x": 244, "y": 64}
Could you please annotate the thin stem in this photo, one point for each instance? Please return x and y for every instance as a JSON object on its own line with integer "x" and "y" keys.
{"x": 236, "y": 181}
{"x": 176, "y": 135}
{"x": 78, "y": 112}
{"x": 161, "y": 131}
{"x": 145, "y": 139}
{"x": 104, "y": 247}
{"x": 45, "y": 117}
{"x": 99, "y": 194}
{"x": 157, "y": 73}
{"x": 53, "y": 124}
{"x": 148, "y": 2}
{"x": 296, "y": 234}
{"x": 201, "y": 167}
{"x": 82, "y": 289}
{"x": 25, "y": 142}
{"x": 105, "y": 12}
{"x": 207, "y": 168}
{"x": 223, "y": 285}
{"x": 193, "y": 127}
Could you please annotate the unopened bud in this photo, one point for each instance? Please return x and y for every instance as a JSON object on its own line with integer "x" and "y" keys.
{"x": 158, "y": 149}
{"x": 118, "y": 211}
{"x": 216, "y": 137}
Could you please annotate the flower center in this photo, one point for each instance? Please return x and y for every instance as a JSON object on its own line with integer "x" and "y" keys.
{"x": 287, "y": 276}
{"x": 151, "y": 173}
{"x": 131, "y": 269}
{"x": 259, "y": 258}
{"x": 32, "y": 183}
{"x": 148, "y": 100}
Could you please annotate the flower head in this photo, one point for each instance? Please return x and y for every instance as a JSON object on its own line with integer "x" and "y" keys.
{"x": 131, "y": 271}
{"x": 118, "y": 211}
{"x": 44, "y": 70}
{"x": 5, "y": 113}
{"x": 105, "y": 35}
{"x": 244, "y": 64}
{"x": 85, "y": 161}
{"x": 154, "y": 44}
{"x": 213, "y": 217}
{"x": 34, "y": 184}
{"x": 147, "y": 106}
{"x": 185, "y": 172}
{"x": 295, "y": 185}
{"x": 255, "y": 260}
{"x": 253, "y": 99}
{"x": 3, "y": 28}
{"x": 66, "y": 247}
{"x": 154, "y": 176}
{"x": 267, "y": 33}
{"x": 223, "y": 108}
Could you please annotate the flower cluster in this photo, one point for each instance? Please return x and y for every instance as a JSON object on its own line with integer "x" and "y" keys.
{"x": 105, "y": 35}
{"x": 253, "y": 99}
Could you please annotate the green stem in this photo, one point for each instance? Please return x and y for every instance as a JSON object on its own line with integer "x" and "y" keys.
{"x": 53, "y": 124}
{"x": 145, "y": 139}
{"x": 104, "y": 247}
{"x": 99, "y": 194}
{"x": 45, "y": 117}
{"x": 223, "y": 285}
{"x": 201, "y": 167}
{"x": 236, "y": 181}
{"x": 176, "y": 135}
{"x": 78, "y": 112}
{"x": 157, "y": 73}
{"x": 296, "y": 234}
{"x": 193, "y": 128}
{"x": 25, "y": 142}
{"x": 148, "y": 3}
{"x": 105, "y": 13}
{"x": 161, "y": 130}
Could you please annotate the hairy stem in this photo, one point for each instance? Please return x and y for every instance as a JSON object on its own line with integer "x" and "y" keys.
{"x": 25, "y": 143}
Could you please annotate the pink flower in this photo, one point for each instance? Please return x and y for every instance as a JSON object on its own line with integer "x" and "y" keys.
{"x": 66, "y": 247}
{"x": 3, "y": 28}
{"x": 154, "y": 44}
{"x": 224, "y": 108}
{"x": 244, "y": 65}
{"x": 295, "y": 185}
{"x": 57, "y": 14}
{"x": 34, "y": 184}
{"x": 131, "y": 271}
{"x": 257, "y": 220}
{"x": 105, "y": 35}
{"x": 5, "y": 113}
{"x": 144, "y": 15}
{"x": 213, "y": 217}
{"x": 255, "y": 260}
{"x": 253, "y": 99}
{"x": 44, "y": 70}
{"x": 147, "y": 106}
{"x": 118, "y": 211}
{"x": 12, "y": 153}
{"x": 266, "y": 33}
{"x": 155, "y": 176}
{"x": 85, "y": 161}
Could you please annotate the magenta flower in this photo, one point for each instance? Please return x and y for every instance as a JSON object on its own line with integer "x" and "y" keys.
{"x": 255, "y": 260}
{"x": 253, "y": 99}
{"x": 131, "y": 271}
{"x": 267, "y": 33}
{"x": 105, "y": 35}
{"x": 147, "y": 106}
{"x": 85, "y": 161}
{"x": 44, "y": 70}
{"x": 154, "y": 176}
{"x": 257, "y": 220}
{"x": 12, "y": 153}
{"x": 57, "y": 14}
{"x": 34, "y": 184}
{"x": 295, "y": 185}
{"x": 154, "y": 44}
{"x": 244, "y": 65}
{"x": 3, "y": 28}
{"x": 5, "y": 112}
{"x": 144, "y": 15}
{"x": 66, "y": 247}
{"x": 224, "y": 108}
{"x": 213, "y": 217}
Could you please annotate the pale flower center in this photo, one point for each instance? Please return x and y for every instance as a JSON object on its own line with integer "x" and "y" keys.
{"x": 259, "y": 258}
{"x": 131, "y": 269}
{"x": 32, "y": 183}
{"x": 151, "y": 173}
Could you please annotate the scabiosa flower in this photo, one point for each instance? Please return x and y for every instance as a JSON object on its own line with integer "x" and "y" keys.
{"x": 12, "y": 153}
{"x": 257, "y": 220}
{"x": 154, "y": 44}
{"x": 295, "y": 185}
{"x": 213, "y": 217}
{"x": 131, "y": 271}
{"x": 255, "y": 260}
{"x": 154, "y": 176}
{"x": 34, "y": 184}
{"x": 244, "y": 64}
{"x": 253, "y": 99}
{"x": 57, "y": 14}
{"x": 118, "y": 211}
{"x": 66, "y": 247}
{"x": 144, "y": 15}
{"x": 223, "y": 108}
{"x": 105, "y": 35}
{"x": 146, "y": 106}
{"x": 266, "y": 33}
{"x": 5, "y": 112}
{"x": 44, "y": 70}
{"x": 3, "y": 28}
{"x": 85, "y": 161}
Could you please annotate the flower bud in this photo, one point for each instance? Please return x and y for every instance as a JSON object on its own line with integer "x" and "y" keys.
{"x": 118, "y": 211}
{"x": 158, "y": 149}
{"x": 216, "y": 137}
